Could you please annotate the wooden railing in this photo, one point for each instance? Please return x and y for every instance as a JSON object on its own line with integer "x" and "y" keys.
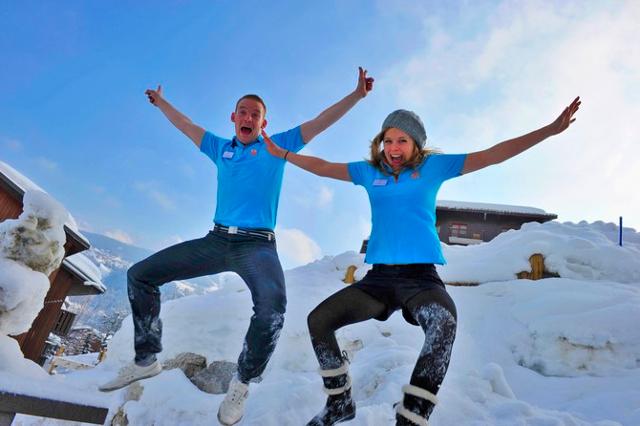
{"x": 17, "y": 403}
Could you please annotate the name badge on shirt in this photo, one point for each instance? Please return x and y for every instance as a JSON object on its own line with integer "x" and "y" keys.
{"x": 227, "y": 154}
{"x": 379, "y": 182}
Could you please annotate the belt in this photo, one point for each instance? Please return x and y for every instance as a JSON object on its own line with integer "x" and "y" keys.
{"x": 267, "y": 235}
{"x": 411, "y": 267}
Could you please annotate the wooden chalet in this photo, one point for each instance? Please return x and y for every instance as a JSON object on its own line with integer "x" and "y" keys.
{"x": 70, "y": 279}
{"x": 465, "y": 223}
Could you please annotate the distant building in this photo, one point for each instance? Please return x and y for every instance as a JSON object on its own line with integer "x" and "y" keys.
{"x": 465, "y": 223}
{"x": 76, "y": 276}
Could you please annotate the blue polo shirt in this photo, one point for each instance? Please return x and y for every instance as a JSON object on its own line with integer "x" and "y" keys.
{"x": 249, "y": 178}
{"x": 403, "y": 213}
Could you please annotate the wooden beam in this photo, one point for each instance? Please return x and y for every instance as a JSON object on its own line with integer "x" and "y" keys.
{"x": 12, "y": 403}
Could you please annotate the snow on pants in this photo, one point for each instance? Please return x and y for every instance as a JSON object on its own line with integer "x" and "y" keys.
{"x": 253, "y": 258}
{"x": 418, "y": 291}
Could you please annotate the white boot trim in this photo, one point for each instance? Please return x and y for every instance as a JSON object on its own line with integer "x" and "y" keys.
{"x": 342, "y": 389}
{"x": 411, "y": 416}
{"x": 343, "y": 369}
{"x": 420, "y": 393}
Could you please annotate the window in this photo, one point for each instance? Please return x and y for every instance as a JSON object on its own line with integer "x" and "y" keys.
{"x": 458, "y": 229}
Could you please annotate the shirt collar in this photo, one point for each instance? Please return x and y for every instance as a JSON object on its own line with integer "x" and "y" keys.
{"x": 236, "y": 142}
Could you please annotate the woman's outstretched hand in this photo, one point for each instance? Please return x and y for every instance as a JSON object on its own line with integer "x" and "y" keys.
{"x": 273, "y": 149}
{"x": 566, "y": 118}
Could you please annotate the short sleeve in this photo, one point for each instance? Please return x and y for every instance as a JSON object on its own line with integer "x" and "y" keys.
{"x": 210, "y": 146}
{"x": 291, "y": 139}
{"x": 359, "y": 171}
{"x": 447, "y": 166}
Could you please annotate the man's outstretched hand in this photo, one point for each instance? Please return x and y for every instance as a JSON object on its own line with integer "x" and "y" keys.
{"x": 154, "y": 95}
{"x": 365, "y": 84}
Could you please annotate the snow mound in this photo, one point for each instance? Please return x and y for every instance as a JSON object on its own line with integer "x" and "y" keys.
{"x": 586, "y": 328}
{"x": 36, "y": 239}
{"x": 22, "y": 293}
{"x": 579, "y": 251}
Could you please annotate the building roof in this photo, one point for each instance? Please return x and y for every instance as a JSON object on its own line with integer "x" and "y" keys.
{"x": 18, "y": 184}
{"x": 84, "y": 269}
{"x": 492, "y": 208}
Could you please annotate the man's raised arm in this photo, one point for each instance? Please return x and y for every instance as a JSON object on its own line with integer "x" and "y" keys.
{"x": 312, "y": 128}
{"x": 181, "y": 121}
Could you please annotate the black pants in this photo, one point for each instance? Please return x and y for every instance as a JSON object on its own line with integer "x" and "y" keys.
{"x": 417, "y": 290}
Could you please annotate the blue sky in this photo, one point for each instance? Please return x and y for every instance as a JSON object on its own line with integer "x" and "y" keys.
{"x": 76, "y": 121}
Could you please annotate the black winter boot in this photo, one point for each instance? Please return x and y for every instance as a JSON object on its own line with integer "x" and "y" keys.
{"x": 416, "y": 406}
{"x": 340, "y": 406}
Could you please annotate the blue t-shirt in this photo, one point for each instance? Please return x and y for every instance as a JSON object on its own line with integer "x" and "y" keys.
{"x": 249, "y": 178}
{"x": 403, "y": 213}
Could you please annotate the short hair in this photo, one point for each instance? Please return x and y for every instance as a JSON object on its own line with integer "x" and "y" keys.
{"x": 255, "y": 98}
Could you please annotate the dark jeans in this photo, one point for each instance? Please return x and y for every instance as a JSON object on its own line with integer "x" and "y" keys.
{"x": 253, "y": 258}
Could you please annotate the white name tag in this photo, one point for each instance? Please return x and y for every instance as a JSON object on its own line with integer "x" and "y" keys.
{"x": 379, "y": 182}
{"x": 227, "y": 154}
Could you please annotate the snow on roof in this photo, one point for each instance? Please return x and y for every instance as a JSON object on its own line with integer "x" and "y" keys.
{"x": 84, "y": 267}
{"x": 500, "y": 208}
{"x": 25, "y": 184}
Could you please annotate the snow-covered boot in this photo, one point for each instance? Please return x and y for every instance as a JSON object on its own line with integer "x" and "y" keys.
{"x": 340, "y": 407}
{"x": 232, "y": 408}
{"x": 416, "y": 406}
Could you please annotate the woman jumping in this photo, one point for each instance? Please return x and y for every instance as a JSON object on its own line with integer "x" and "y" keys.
{"x": 402, "y": 179}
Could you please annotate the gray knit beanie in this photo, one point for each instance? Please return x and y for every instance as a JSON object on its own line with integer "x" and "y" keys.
{"x": 408, "y": 122}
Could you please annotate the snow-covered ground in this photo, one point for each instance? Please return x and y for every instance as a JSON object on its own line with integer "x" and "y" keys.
{"x": 560, "y": 351}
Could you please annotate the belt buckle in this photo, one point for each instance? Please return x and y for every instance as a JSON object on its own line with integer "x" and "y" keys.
{"x": 232, "y": 230}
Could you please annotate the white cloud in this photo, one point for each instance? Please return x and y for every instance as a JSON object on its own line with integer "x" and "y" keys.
{"x": 296, "y": 248}
{"x": 155, "y": 195}
{"x": 518, "y": 75}
{"x": 120, "y": 235}
{"x": 320, "y": 197}
{"x": 364, "y": 226}
{"x": 325, "y": 196}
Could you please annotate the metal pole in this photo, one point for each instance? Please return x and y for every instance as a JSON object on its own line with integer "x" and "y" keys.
{"x": 620, "y": 232}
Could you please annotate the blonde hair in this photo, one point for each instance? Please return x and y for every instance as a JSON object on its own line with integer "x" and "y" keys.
{"x": 377, "y": 158}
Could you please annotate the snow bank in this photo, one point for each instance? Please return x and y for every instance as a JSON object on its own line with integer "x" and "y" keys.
{"x": 37, "y": 237}
{"x": 22, "y": 292}
{"x": 31, "y": 247}
{"x": 579, "y": 251}
{"x": 550, "y": 352}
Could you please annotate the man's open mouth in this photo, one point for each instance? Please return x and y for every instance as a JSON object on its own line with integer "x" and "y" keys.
{"x": 246, "y": 130}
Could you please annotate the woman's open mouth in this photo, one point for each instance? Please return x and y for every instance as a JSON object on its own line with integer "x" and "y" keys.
{"x": 396, "y": 160}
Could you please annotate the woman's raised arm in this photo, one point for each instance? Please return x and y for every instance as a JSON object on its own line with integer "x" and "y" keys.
{"x": 512, "y": 147}
{"x": 314, "y": 165}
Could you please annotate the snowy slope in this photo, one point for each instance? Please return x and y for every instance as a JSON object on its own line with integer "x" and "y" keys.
{"x": 560, "y": 351}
